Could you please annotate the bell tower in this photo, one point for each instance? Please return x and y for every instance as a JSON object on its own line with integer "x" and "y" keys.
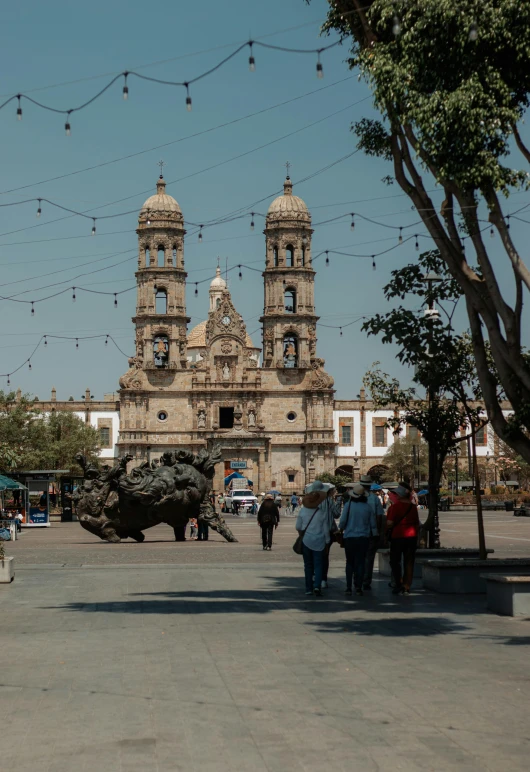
{"x": 161, "y": 284}
{"x": 289, "y": 320}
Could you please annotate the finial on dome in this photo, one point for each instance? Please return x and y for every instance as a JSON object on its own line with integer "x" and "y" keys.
{"x": 288, "y": 187}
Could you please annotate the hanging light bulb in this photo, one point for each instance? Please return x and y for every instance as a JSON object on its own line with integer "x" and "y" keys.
{"x": 67, "y": 127}
{"x": 396, "y": 26}
{"x": 94, "y": 226}
{"x": 252, "y": 221}
{"x": 115, "y": 300}
{"x": 492, "y": 232}
{"x": 417, "y": 244}
{"x": 327, "y": 257}
{"x": 340, "y": 328}
{"x": 200, "y": 234}
{"x": 8, "y": 380}
{"x": 77, "y": 342}
{"x": 196, "y": 289}
{"x": 45, "y": 340}
{"x": 508, "y": 222}
{"x": 39, "y": 210}
{"x": 320, "y": 69}
{"x": 32, "y": 309}
{"x": 373, "y": 262}
{"x": 125, "y": 86}
{"x": 473, "y": 32}
{"x": 19, "y": 109}
{"x": 400, "y": 239}
{"x": 73, "y": 294}
{"x": 188, "y": 98}
{"x": 29, "y": 365}
{"x": 240, "y": 274}
{"x": 251, "y": 60}
{"x": 106, "y": 340}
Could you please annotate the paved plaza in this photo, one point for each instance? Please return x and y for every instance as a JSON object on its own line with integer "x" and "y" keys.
{"x": 169, "y": 656}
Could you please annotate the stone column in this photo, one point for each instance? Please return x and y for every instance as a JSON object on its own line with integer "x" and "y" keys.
{"x": 261, "y": 471}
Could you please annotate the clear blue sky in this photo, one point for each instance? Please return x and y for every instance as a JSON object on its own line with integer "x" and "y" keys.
{"x": 42, "y": 45}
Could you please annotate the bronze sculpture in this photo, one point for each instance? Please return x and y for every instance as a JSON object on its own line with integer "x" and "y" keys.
{"x": 115, "y": 505}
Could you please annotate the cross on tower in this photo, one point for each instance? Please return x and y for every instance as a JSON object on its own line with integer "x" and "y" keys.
{"x": 288, "y": 166}
{"x": 161, "y": 164}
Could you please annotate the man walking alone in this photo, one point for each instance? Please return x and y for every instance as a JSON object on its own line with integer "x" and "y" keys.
{"x": 268, "y": 519}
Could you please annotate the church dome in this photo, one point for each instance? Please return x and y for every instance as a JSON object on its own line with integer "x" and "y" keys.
{"x": 287, "y": 206}
{"x": 218, "y": 283}
{"x": 161, "y": 205}
{"x": 197, "y": 337}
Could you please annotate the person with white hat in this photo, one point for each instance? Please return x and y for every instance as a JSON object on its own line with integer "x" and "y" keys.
{"x": 357, "y": 523}
{"x": 377, "y": 507}
{"x": 314, "y": 521}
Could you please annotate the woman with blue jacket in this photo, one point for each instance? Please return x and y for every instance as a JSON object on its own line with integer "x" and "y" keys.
{"x": 357, "y": 523}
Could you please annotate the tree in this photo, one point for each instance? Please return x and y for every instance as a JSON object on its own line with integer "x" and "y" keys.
{"x": 451, "y": 82}
{"x": 442, "y": 364}
{"x": 31, "y": 439}
{"x": 338, "y": 480}
{"x": 406, "y": 458}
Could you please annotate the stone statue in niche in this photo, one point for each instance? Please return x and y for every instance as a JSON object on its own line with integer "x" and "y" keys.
{"x": 251, "y": 418}
{"x": 226, "y": 371}
{"x": 139, "y": 344}
{"x": 161, "y": 351}
{"x": 201, "y": 419}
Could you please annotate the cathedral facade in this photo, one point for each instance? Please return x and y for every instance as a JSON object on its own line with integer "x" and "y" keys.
{"x": 270, "y": 409}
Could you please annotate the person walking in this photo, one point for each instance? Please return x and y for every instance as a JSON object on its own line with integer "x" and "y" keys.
{"x": 202, "y": 527}
{"x": 375, "y": 540}
{"x": 314, "y": 522}
{"x": 294, "y": 503}
{"x": 193, "y": 529}
{"x": 403, "y": 525}
{"x": 268, "y": 519}
{"x": 357, "y": 523}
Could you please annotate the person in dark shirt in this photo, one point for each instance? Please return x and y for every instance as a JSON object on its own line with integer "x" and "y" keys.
{"x": 268, "y": 519}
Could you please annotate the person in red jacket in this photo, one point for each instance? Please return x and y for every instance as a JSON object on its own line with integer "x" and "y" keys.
{"x": 403, "y": 525}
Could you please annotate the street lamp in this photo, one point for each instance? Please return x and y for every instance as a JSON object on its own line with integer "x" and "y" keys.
{"x": 432, "y": 313}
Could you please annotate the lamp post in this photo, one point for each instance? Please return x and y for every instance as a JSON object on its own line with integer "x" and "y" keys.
{"x": 432, "y": 313}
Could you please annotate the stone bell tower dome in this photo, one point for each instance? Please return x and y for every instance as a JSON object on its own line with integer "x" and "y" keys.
{"x": 217, "y": 287}
{"x": 289, "y": 321}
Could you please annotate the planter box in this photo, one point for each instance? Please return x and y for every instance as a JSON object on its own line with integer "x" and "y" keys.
{"x": 7, "y": 570}
{"x": 508, "y": 595}
{"x": 467, "y": 576}
{"x": 428, "y": 554}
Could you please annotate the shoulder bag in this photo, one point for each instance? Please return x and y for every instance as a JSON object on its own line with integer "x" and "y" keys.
{"x": 392, "y": 524}
{"x": 298, "y": 545}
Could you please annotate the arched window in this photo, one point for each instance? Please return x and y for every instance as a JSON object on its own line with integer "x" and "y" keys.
{"x": 161, "y": 301}
{"x": 303, "y": 255}
{"x": 290, "y": 350}
{"x": 275, "y": 255}
{"x": 147, "y": 257}
{"x": 218, "y": 302}
{"x": 161, "y": 351}
{"x": 161, "y": 256}
{"x": 289, "y": 300}
{"x": 174, "y": 254}
{"x": 289, "y": 256}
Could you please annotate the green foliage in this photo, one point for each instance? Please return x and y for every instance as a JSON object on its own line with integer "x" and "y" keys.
{"x": 400, "y": 459}
{"x": 338, "y": 480}
{"x": 30, "y": 439}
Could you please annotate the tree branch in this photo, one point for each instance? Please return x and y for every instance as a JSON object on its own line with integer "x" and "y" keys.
{"x": 519, "y": 142}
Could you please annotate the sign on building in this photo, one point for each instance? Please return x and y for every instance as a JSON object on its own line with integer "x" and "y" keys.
{"x": 238, "y": 464}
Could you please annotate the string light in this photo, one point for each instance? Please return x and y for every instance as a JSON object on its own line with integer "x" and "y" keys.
{"x": 196, "y": 288}
{"x": 19, "y": 109}
{"x": 320, "y": 69}
{"x": 240, "y": 274}
{"x": 251, "y": 60}
{"x": 200, "y": 234}
{"x": 29, "y": 365}
{"x": 396, "y": 26}
{"x": 508, "y": 222}
{"x": 400, "y": 239}
{"x": 417, "y": 244}
{"x": 77, "y": 342}
{"x": 8, "y": 380}
{"x": 73, "y": 294}
{"x": 373, "y": 262}
{"x": 492, "y": 232}
{"x": 352, "y": 224}
{"x": 93, "y": 226}
{"x": 340, "y": 328}
{"x": 473, "y": 32}
{"x": 39, "y": 210}
{"x": 252, "y": 221}
{"x": 115, "y": 300}
{"x": 45, "y": 341}
{"x": 107, "y": 340}
{"x": 327, "y": 257}
{"x": 125, "y": 87}
{"x": 67, "y": 127}
{"x": 188, "y": 98}
{"x": 32, "y": 309}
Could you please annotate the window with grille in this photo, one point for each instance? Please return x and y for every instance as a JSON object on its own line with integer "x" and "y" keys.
{"x": 104, "y": 436}
{"x": 379, "y": 433}
{"x": 345, "y": 431}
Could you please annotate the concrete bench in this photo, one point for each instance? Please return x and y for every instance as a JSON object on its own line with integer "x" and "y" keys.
{"x": 493, "y": 505}
{"x": 521, "y": 512}
{"x": 466, "y": 576}
{"x": 455, "y": 553}
{"x": 508, "y": 594}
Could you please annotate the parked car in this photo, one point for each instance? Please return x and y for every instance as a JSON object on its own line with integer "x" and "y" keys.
{"x": 245, "y": 498}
